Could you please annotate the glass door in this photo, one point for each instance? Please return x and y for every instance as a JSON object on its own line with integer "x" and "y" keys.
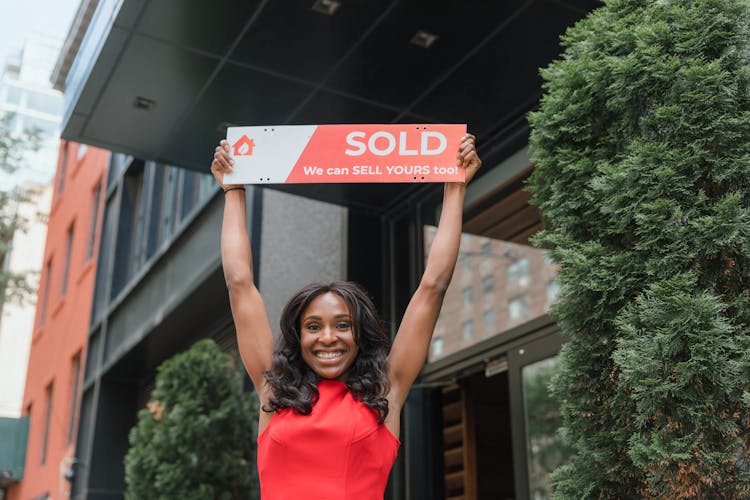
{"x": 538, "y": 445}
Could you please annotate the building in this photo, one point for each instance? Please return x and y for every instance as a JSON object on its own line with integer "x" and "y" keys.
{"x": 27, "y": 95}
{"x": 63, "y": 312}
{"x": 160, "y": 82}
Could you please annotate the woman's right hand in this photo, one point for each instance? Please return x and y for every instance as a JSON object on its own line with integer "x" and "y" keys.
{"x": 222, "y": 164}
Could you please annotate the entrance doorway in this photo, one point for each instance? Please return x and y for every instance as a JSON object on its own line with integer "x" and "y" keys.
{"x": 477, "y": 439}
{"x": 500, "y": 428}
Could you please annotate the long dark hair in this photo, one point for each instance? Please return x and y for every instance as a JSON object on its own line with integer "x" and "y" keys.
{"x": 294, "y": 384}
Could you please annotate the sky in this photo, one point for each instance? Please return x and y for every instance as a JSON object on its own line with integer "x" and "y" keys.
{"x": 20, "y": 18}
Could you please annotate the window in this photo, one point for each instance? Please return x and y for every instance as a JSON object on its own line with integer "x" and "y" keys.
{"x": 66, "y": 267}
{"x": 82, "y": 148}
{"x": 486, "y": 248}
{"x": 46, "y": 103}
{"x": 63, "y": 168}
{"x": 489, "y": 320}
{"x": 437, "y": 346}
{"x": 518, "y": 272}
{"x": 553, "y": 288}
{"x": 169, "y": 204}
{"x": 13, "y": 95}
{"x": 94, "y": 220}
{"x": 46, "y": 128}
{"x": 45, "y": 291}
{"x": 47, "y": 420}
{"x": 467, "y": 296}
{"x": 74, "y": 388}
{"x": 468, "y": 330}
{"x": 137, "y": 251}
{"x": 518, "y": 307}
{"x": 488, "y": 283}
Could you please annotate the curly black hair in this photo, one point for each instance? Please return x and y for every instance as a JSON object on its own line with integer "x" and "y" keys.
{"x": 294, "y": 385}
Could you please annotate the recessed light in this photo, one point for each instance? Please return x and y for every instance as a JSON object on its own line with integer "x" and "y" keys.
{"x": 423, "y": 39}
{"x": 144, "y": 103}
{"x": 327, "y": 7}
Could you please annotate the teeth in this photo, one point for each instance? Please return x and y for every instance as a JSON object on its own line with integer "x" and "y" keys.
{"x": 329, "y": 355}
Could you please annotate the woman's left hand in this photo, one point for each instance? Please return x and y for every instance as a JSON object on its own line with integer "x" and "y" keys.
{"x": 467, "y": 156}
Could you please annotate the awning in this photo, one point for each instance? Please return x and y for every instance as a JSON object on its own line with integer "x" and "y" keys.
{"x": 162, "y": 79}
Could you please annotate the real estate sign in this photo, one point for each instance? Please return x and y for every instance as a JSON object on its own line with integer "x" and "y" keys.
{"x": 345, "y": 153}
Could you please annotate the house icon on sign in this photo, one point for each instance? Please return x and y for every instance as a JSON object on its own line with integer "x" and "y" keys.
{"x": 244, "y": 146}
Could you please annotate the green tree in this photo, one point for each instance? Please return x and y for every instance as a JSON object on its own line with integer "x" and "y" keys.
{"x": 196, "y": 437}
{"x": 642, "y": 153}
{"x": 15, "y": 287}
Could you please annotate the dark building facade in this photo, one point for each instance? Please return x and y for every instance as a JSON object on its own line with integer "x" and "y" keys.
{"x": 159, "y": 82}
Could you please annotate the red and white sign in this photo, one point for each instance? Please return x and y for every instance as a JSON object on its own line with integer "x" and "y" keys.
{"x": 345, "y": 153}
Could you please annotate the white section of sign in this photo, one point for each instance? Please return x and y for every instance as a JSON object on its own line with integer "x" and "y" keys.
{"x": 275, "y": 150}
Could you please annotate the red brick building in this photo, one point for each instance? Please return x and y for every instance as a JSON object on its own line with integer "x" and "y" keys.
{"x": 66, "y": 287}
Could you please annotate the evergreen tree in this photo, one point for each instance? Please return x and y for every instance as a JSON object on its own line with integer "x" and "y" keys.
{"x": 15, "y": 287}
{"x": 196, "y": 438}
{"x": 642, "y": 153}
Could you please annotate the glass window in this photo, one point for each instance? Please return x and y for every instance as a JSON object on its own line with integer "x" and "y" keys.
{"x": 74, "y": 389}
{"x": 13, "y": 95}
{"x": 46, "y": 128}
{"x": 66, "y": 266}
{"x": 489, "y": 320}
{"x": 62, "y": 171}
{"x": 545, "y": 446}
{"x": 553, "y": 288}
{"x": 46, "y": 103}
{"x": 513, "y": 278}
{"x": 518, "y": 272}
{"x": 169, "y": 204}
{"x": 466, "y": 263}
{"x": 47, "y": 420}
{"x": 82, "y": 148}
{"x": 138, "y": 250}
{"x": 488, "y": 283}
{"x": 518, "y": 307}
{"x": 94, "y": 220}
{"x": 437, "y": 346}
{"x": 45, "y": 292}
{"x": 468, "y": 330}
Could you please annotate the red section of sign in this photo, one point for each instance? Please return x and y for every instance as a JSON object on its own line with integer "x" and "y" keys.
{"x": 380, "y": 153}
{"x": 243, "y": 147}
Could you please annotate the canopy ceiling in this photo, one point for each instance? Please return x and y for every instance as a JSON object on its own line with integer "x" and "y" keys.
{"x": 160, "y": 79}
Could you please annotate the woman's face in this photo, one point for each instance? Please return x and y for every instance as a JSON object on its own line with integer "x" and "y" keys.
{"x": 326, "y": 337}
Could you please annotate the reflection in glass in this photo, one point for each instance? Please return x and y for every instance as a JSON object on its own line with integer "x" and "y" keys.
{"x": 545, "y": 446}
{"x": 497, "y": 285}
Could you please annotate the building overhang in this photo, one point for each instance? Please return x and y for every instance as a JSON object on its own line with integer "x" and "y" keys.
{"x": 162, "y": 79}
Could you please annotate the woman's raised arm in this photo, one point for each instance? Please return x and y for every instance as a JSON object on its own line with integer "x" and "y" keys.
{"x": 413, "y": 338}
{"x": 254, "y": 335}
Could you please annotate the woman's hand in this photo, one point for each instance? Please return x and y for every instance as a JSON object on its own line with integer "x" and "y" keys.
{"x": 467, "y": 156}
{"x": 222, "y": 164}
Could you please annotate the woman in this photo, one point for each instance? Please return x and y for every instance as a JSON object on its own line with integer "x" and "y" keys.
{"x": 331, "y": 391}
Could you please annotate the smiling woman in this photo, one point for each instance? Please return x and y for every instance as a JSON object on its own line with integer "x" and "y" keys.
{"x": 332, "y": 387}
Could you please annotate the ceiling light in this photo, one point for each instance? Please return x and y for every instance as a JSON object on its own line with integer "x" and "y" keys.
{"x": 144, "y": 103}
{"x": 424, "y": 39}
{"x": 327, "y": 7}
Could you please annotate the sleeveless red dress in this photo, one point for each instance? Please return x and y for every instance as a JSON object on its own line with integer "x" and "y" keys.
{"x": 337, "y": 452}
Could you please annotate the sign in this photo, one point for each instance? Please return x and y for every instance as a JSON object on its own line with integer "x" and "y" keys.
{"x": 345, "y": 153}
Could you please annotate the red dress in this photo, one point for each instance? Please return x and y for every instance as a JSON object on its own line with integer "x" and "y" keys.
{"x": 337, "y": 452}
